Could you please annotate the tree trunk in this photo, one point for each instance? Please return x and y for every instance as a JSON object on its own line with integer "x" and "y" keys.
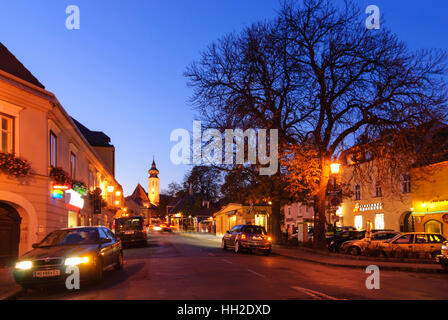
{"x": 320, "y": 208}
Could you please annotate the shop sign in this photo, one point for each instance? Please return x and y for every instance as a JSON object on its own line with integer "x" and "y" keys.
{"x": 75, "y": 199}
{"x": 57, "y": 191}
{"x": 368, "y": 207}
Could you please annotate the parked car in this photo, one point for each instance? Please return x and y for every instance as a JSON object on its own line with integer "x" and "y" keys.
{"x": 130, "y": 230}
{"x": 335, "y": 242}
{"x": 413, "y": 244}
{"x": 442, "y": 258}
{"x": 247, "y": 237}
{"x": 92, "y": 249}
{"x": 358, "y": 247}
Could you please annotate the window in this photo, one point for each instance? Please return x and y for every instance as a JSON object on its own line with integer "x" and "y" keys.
{"x": 358, "y": 222}
{"x": 289, "y": 211}
{"x": 357, "y": 192}
{"x": 408, "y": 238}
{"x": 7, "y": 133}
{"x": 72, "y": 165}
{"x": 406, "y": 183}
{"x": 433, "y": 226}
{"x": 53, "y": 149}
{"x": 421, "y": 238}
{"x": 378, "y": 189}
{"x": 379, "y": 221}
{"x": 436, "y": 238}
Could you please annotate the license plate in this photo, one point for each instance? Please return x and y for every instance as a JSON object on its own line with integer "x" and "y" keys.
{"x": 46, "y": 273}
{"x": 437, "y": 259}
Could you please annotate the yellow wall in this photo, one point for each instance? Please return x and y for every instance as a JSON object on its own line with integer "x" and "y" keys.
{"x": 394, "y": 203}
{"x": 430, "y": 195}
{"x": 243, "y": 215}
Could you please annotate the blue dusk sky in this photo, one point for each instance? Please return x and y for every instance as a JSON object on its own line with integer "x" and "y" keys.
{"x": 122, "y": 72}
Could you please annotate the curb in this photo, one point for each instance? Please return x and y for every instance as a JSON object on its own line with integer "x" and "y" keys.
{"x": 364, "y": 258}
{"x": 390, "y": 268}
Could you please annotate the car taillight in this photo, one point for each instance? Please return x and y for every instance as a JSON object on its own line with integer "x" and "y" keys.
{"x": 243, "y": 237}
{"x": 269, "y": 239}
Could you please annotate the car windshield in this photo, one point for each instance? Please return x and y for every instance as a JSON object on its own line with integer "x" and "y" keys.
{"x": 70, "y": 237}
{"x": 254, "y": 230}
{"x": 129, "y": 224}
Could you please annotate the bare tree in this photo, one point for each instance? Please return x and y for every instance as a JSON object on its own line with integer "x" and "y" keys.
{"x": 322, "y": 79}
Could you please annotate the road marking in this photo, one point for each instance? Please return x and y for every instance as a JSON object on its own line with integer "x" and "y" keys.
{"x": 256, "y": 273}
{"x": 315, "y": 294}
{"x": 227, "y": 261}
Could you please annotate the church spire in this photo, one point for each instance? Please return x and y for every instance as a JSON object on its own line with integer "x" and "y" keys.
{"x": 153, "y": 172}
{"x": 153, "y": 184}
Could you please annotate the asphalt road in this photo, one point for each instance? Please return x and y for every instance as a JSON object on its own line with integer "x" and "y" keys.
{"x": 173, "y": 266}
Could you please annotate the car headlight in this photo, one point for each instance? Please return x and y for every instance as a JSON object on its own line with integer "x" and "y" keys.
{"x": 444, "y": 247}
{"x": 269, "y": 239}
{"x": 24, "y": 265}
{"x": 74, "y": 261}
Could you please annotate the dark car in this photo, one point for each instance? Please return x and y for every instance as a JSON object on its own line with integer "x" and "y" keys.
{"x": 247, "y": 237}
{"x": 92, "y": 249}
{"x": 130, "y": 230}
{"x": 335, "y": 242}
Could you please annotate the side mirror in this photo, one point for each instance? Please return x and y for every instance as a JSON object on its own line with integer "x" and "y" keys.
{"x": 35, "y": 245}
{"x": 228, "y": 231}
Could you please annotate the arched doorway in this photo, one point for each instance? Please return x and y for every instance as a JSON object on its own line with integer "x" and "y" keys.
{"x": 9, "y": 233}
{"x": 407, "y": 222}
{"x": 434, "y": 226}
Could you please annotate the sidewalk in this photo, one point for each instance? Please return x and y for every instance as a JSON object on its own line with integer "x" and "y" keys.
{"x": 8, "y": 287}
{"x": 341, "y": 260}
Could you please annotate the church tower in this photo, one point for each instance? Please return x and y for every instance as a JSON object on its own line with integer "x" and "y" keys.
{"x": 153, "y": 184}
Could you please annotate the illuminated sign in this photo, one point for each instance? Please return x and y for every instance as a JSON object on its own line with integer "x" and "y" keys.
{"x": 75, "y": 199}
{"x": 57, "y": 194}
{"x": 57, "y": 191}
{"x": 368, "y": 207}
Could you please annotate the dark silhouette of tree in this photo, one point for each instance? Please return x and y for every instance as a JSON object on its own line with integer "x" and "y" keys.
{"x": 322, "y": 79}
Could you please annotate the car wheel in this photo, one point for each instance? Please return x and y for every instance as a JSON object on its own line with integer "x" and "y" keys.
{"x": 119, "y": 264}
{"x": 237, "y": 247}
{"x": 435, "y": 253}
{"x": 223, "y": 245}
{"x": 267, "y": 252}
{"x": 98, "y": 271}
{"x": 354, "y": 251}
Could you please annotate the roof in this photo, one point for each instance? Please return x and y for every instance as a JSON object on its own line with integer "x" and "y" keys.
{"x": 139, "y": 194}
{"x": 10, "y": 64}
{"x": 95, "y": 138}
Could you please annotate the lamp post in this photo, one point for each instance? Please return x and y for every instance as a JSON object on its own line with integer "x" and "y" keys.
{"x": 335, "y": 169}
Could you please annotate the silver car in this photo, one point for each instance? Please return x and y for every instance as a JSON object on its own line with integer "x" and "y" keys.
{"x": 358, "y": 247}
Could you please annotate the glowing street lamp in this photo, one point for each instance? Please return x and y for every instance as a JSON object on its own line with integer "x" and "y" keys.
{"x": 335, "y": 168}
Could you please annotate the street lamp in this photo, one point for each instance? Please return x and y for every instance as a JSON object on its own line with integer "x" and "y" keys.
{"x": 335, "y": 168}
